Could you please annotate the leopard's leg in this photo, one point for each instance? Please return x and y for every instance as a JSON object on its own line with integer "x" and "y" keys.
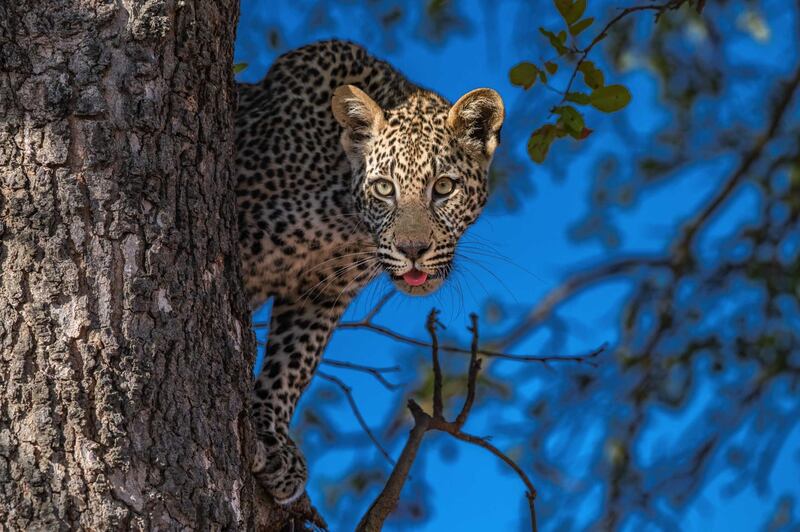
{"x": 298, "y": 335}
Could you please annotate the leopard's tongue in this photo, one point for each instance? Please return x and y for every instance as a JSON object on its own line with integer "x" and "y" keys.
{"x": 415, "y": 277}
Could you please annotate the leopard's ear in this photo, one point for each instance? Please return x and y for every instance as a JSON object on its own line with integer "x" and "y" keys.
{"x": 476, "y": 118}
{"x": 358, "y": 114}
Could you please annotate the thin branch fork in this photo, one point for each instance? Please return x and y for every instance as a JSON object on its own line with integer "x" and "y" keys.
{"x": 387, "y": 500}
{"x": 367, "y": 324}
{"x": 376, "y": 372}
{"x": 584, "y": 53}
{"x": 348, "y": 393}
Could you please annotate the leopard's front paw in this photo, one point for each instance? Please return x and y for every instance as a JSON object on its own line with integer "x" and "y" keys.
{"x": 280, "y": 468}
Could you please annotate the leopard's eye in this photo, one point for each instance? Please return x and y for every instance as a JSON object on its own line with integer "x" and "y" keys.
{"x": 443, "y": 186}
{"x": 384, "y": 188}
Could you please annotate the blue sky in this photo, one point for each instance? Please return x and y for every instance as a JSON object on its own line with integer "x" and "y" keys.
{"x": 474, "y": 491}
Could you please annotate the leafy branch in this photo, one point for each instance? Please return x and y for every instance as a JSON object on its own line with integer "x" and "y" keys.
{"x": 603, "y": 97}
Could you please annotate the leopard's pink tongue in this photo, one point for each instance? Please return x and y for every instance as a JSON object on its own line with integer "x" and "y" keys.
{"x": 415, "y": 277}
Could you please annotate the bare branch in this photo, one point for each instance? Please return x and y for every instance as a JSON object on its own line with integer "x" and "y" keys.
{"x": 348, "y": 392}
{"x": 482, "y": 442}
{"x": 300, "y": 514}
{"x": 367, "y": 324}
{"x": 385, "y": 331}
{"x": 472, "y": 376}
{"x": 376, "y": 372}
{"x": 387, "y": 500}
{"x": 437, "y": 370}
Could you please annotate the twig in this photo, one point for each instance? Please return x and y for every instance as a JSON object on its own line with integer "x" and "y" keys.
{"x": 367, "y": 324}
{"x": 300, "y": 514}
{"x": 542, "y": 310}
{"x": 584, "y": 53}
{"x": 387, "y": 500}
{"x": 472, "y": 376}
{"x": 375, "y": 372}
{"x": 385, "y": 331}
{"x": 348, "y": 392}
{"x": 482, "y": 442}
{"x": 437, "y": 369}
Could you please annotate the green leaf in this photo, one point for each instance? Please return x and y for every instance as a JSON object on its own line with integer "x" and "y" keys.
{"x": 540, "y": 141}
{"x": 570, "y": 118}
{"x": 542, "y": 76}
{"x": 578, "y": 27}
{"x": 524, "y": 75}
{"x": 580, "y": 98}
{"x": 610, "y": 98}
{"x": 239, "y": 67}
{"x": 580, "y": 135}
{"x": 575, "y": 11}
{"x": 592, "y": 76}
{"x": 563, "y": 6}
{"x": 551, "y": 67}
{"x": 555, "y": 41}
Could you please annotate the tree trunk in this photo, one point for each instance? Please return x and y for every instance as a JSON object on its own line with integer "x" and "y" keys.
{"x": 125, "y": 343}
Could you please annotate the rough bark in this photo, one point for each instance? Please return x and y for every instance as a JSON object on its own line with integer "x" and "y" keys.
{"x": 125, "y": 345}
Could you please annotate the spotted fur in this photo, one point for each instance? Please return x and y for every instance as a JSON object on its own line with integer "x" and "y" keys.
{"x": 327, "y": 129}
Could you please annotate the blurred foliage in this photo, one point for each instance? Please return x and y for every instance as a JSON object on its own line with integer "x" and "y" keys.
{"x": 709, "y": 330}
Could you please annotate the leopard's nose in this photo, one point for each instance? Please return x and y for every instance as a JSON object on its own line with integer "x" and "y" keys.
{"x": 413, "y": 249}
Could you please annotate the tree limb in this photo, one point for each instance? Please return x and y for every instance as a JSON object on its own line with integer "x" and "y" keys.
{"x": 387, "y": 500}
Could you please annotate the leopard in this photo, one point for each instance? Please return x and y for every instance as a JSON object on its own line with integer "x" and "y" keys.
{"x": 346, "y": 171}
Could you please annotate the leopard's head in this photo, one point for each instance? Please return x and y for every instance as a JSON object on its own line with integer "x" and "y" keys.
{"x": 419, "y": 175}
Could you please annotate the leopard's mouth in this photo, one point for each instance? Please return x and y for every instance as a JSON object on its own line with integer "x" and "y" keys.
{"x": 417, "y": 282}
{"x": 428, "y": 277}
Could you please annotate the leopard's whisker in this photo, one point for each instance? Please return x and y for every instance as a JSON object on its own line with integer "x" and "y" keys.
{"x": 490, "y": 272}
{"x": 371, "y": 271}
{"x": 486, "y": 250}
{"x": 333, "y": 259}
{"x": 337, "y": 273}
